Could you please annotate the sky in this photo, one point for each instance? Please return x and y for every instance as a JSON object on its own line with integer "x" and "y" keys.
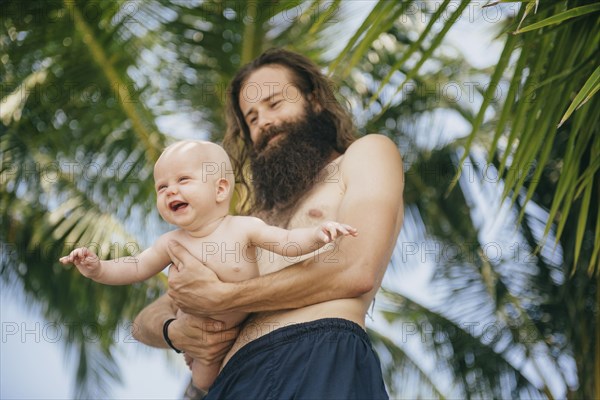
{"x": 34, "y": 365}
{"x": 33, "y": 361}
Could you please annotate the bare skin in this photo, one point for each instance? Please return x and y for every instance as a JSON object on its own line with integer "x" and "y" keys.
{"x": 362, "y": 188}
{"x": 193, "y": 194}
{"x": 358, "y": 274}
{"x": 341, "y": 284}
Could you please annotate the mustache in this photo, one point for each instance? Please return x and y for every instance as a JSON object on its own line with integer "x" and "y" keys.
{"x": 270, "y": 133}
{"x": 282, "y": 173}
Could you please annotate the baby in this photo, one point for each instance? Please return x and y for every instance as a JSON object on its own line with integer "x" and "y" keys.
{"x": 194, "y": 184}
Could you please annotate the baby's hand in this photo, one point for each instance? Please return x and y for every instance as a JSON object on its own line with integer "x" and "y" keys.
{"x": 86, "y": 261}
{"x": 328, "y": 231}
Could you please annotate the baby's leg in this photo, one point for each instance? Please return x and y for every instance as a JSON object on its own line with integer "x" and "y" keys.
{"x": 204, "y": 375}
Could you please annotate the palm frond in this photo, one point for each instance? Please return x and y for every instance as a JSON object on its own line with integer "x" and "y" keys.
{"x": 557, "y": 50}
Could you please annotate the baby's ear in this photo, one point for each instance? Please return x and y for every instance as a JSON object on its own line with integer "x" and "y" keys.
{"x": 222, "y": 187}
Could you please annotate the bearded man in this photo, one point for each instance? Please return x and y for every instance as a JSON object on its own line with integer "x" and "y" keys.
{"x": 306, "y": 336}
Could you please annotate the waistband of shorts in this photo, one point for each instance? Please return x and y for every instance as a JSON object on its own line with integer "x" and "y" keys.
{"x": 293, "y": 332}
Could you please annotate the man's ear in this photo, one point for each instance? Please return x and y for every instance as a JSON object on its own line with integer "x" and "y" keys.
{"x": 222, "y": 187}
{"x": 314, "y": 102}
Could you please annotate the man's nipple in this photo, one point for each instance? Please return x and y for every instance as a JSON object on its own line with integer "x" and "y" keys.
{"x": 315, "y": 213}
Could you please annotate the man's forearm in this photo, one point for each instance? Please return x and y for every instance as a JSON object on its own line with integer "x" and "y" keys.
{"x": 345, "y": 272}
{"x": 352, "y": 269}
{"x": 294, "y": 287}
{"x": 147, "y": 327}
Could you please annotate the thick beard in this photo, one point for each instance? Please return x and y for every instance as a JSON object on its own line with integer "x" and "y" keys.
{"x": 283, "y": 172}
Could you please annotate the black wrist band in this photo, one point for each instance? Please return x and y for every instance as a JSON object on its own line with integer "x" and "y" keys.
{"x": 166, "y": 335}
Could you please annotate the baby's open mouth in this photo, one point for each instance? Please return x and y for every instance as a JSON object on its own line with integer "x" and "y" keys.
{"x": 177, "y": 205}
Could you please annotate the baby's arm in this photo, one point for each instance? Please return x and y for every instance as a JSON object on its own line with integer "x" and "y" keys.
{"x": 296, "y": 242}
{"x": 121, "y": 271}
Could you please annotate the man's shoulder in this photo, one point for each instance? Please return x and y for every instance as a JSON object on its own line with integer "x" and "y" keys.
{"x": 372, "y": 139}
{"x": 370, "y": 148}
{"x": 369, "y": 158}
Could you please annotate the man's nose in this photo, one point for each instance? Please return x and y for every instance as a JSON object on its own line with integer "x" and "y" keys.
{"x": 264, "y": 121}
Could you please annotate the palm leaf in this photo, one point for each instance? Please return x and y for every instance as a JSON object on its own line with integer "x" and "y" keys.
{"x": 558, "y": 18}
{"x": 591, "y": 86}
{"x": 563, "y": 61}
{"x": 162, "y": 57}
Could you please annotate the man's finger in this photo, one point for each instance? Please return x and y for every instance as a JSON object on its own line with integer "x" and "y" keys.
{"x": 212, "y": 325}
{"x": 175, "y": 250}
{"x": 180, "y": 255}
{"x": 172, "y": 267}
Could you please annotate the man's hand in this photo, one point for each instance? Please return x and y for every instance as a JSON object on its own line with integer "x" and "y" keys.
{"x": 194, "y": 288}
{"x": 203, "y": 339}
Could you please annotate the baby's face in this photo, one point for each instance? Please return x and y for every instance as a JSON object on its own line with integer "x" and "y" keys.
{"x": 184, "y": 190}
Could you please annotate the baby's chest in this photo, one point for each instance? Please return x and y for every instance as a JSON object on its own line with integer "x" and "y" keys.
{"x": 230, "y": 252}
{"x": 231, "y": 260}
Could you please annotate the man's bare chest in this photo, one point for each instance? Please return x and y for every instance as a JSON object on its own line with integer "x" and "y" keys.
{"x": 321, "y": 204}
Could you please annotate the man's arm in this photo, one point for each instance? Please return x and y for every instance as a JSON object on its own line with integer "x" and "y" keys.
{"x": 372, "y": 203}
{"x": 201, "y": 338}
{"x": 147, "y": 326}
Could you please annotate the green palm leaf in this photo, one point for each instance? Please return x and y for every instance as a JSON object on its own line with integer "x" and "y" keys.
{"x": 82, "y": 93}
{"x": 558, "y": 18}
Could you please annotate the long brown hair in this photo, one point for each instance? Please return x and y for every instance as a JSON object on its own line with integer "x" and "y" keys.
{"x": 310, "y": 80}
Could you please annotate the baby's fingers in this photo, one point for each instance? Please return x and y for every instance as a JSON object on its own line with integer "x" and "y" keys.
{"x": 77, "y": 255}
{"x": 84, "y": 253}
{"x": 349, "y": 230}
{"x": 65, "y": 260}
{"x": 73, "y": 255}
{"x": 333, "y": 228}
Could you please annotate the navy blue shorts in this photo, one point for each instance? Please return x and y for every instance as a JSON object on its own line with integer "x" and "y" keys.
{"x": 325, "y": 359}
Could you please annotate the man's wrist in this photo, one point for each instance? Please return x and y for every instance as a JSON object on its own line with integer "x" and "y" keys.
{"x": 230, "y": 296}
{"x": 166, "y": 325}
